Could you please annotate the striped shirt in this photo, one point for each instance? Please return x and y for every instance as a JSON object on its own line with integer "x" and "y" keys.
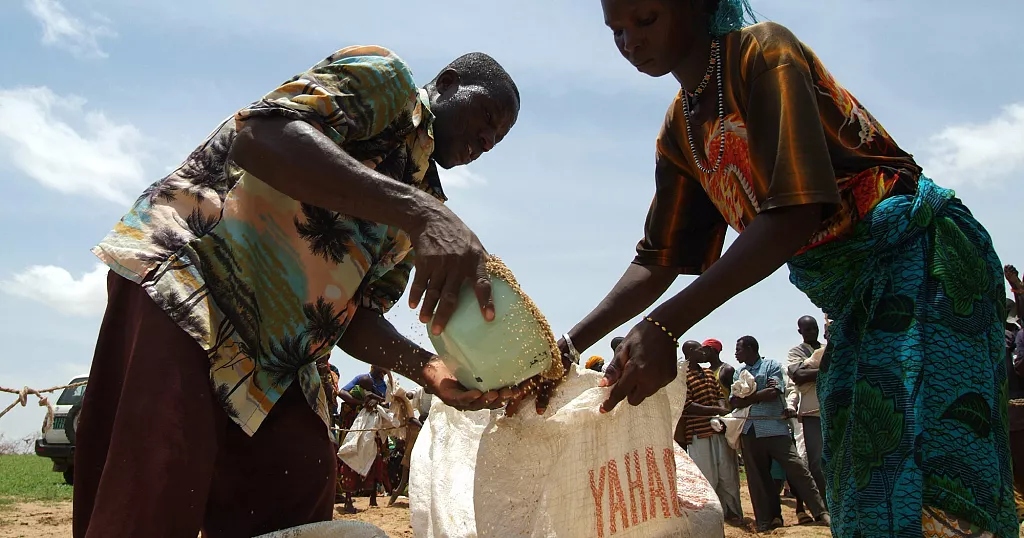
{"x": 763, "y": 370}
{"x": 701, "y": 388}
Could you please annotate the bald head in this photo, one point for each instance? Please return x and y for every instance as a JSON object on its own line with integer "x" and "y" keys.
{"x": 692, "y": 352}
{"x": 807, "y": 326}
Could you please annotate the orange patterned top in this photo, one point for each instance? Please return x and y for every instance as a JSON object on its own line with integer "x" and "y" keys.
{"x": 793, "y": 136}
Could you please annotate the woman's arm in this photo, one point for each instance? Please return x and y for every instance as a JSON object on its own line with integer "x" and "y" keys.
{"x": 635, "y": 291}
{"x": 645, "y": 361}
{"x": 772, "y": 238}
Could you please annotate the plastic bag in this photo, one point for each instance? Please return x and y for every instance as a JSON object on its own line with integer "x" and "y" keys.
{"x": 359, "y": 448}
{"x": 734, "y": 421}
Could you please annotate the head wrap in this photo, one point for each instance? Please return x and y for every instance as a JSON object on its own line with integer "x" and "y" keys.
{"x": 729, "y": 16}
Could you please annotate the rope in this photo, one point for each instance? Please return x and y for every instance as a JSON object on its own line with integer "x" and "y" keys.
{"x": 811, "y": 413}
{"x": 23, "y": 394}
{"x": 372, "y": 429}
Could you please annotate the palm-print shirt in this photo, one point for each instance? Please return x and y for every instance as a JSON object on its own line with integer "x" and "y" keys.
{"x": 264, "y": 283}
{"x": 793, "y": 136}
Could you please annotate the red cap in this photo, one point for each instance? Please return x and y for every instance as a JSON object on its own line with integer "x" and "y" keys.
{"x": 712, "y": 343}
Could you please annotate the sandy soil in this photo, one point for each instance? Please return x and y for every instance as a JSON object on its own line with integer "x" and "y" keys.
{"x": 33, "y": 520}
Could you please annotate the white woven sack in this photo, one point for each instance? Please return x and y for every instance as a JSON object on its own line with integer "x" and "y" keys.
{"x": 330, "y": 529}
{"x": 441, "y": 473}
{"x": 571, "y": 473}
{"x": 359, "y": 448}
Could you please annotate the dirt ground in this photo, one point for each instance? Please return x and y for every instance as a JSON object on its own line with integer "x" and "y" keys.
{"x": 33, "y": 520}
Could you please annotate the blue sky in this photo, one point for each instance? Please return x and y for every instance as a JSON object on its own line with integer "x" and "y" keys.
{"x": 98, "y": 98}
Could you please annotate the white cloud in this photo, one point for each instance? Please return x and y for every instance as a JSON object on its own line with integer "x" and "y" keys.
{"x": 102, "y": 159}
{"x": 979, "y": 153}
{"x": 460, "y": 177}
{"x": 60, "y": 290}
{"x": 64, "y": 30}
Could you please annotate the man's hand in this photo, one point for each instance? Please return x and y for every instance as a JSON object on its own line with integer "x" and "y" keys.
{"x": 788, "y": 413}
{"x": 644, "y": 362}
{"x": 440, "y": 382}
{"x": 740, "y": 403}
{"x": 448, "y": 254}
{"x": 370, "y": 403}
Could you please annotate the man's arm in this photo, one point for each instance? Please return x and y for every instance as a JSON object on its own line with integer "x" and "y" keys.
{"x": 727, "y": 375}
{"x": 347, "y": 397}
{"x": 292, "y": 141}
{"x": 374, "y": 340}
{"x": 699, "y": 410}
{"x": 345, "y": 392}
{"x": 767, "y": 394}
{"x": 805, "y": 374}
{"x": 792, "y": 395}
{"x": 298, "y": 160}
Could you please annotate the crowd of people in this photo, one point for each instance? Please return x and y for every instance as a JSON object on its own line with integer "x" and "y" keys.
{"x": 389, "y": 473}
{"x": 782, "y": 441}
{"x": 780, "y": 438}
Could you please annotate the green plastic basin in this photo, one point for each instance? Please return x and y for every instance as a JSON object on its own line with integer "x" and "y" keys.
{"x": 492, "y": 355}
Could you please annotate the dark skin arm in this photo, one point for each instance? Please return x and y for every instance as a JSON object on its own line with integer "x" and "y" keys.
{"x": 680, "y": 433}
{"x": 373, "y": 339}
{"x": 635, "y": 291}
{"x": 761, "y": 396}
{"x": 363, "y": 381}
{"x": 805, "y": 374}
{"x": 296, "y": 159}
{"x": 645, "y": 362}
{"x": 727, "y": 374}
{"x": 698, "y": 410}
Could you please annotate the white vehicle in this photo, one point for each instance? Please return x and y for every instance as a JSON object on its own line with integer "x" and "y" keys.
{"x": 58, "y": 441}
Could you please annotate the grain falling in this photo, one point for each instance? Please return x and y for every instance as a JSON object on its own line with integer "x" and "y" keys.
{"x": 497, "y": 268}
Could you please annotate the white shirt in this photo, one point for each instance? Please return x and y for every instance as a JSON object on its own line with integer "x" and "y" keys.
{"x": 806, "y": 393}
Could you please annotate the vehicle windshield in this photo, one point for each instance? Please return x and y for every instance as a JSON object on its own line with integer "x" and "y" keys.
{"x": 73, "y": 395}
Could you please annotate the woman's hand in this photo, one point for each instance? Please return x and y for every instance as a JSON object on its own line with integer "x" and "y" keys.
{"x": 644, "y": 362}
{"x": 540, "y": 386}
{"x": 443, "y": 384}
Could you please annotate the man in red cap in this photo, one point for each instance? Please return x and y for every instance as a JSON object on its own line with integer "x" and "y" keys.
{"x": 724, "y": 373}
{"x": 706, "y": 447}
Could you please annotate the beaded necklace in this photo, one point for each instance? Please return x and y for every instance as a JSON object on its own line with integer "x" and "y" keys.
{"x": 714, "y": 67}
